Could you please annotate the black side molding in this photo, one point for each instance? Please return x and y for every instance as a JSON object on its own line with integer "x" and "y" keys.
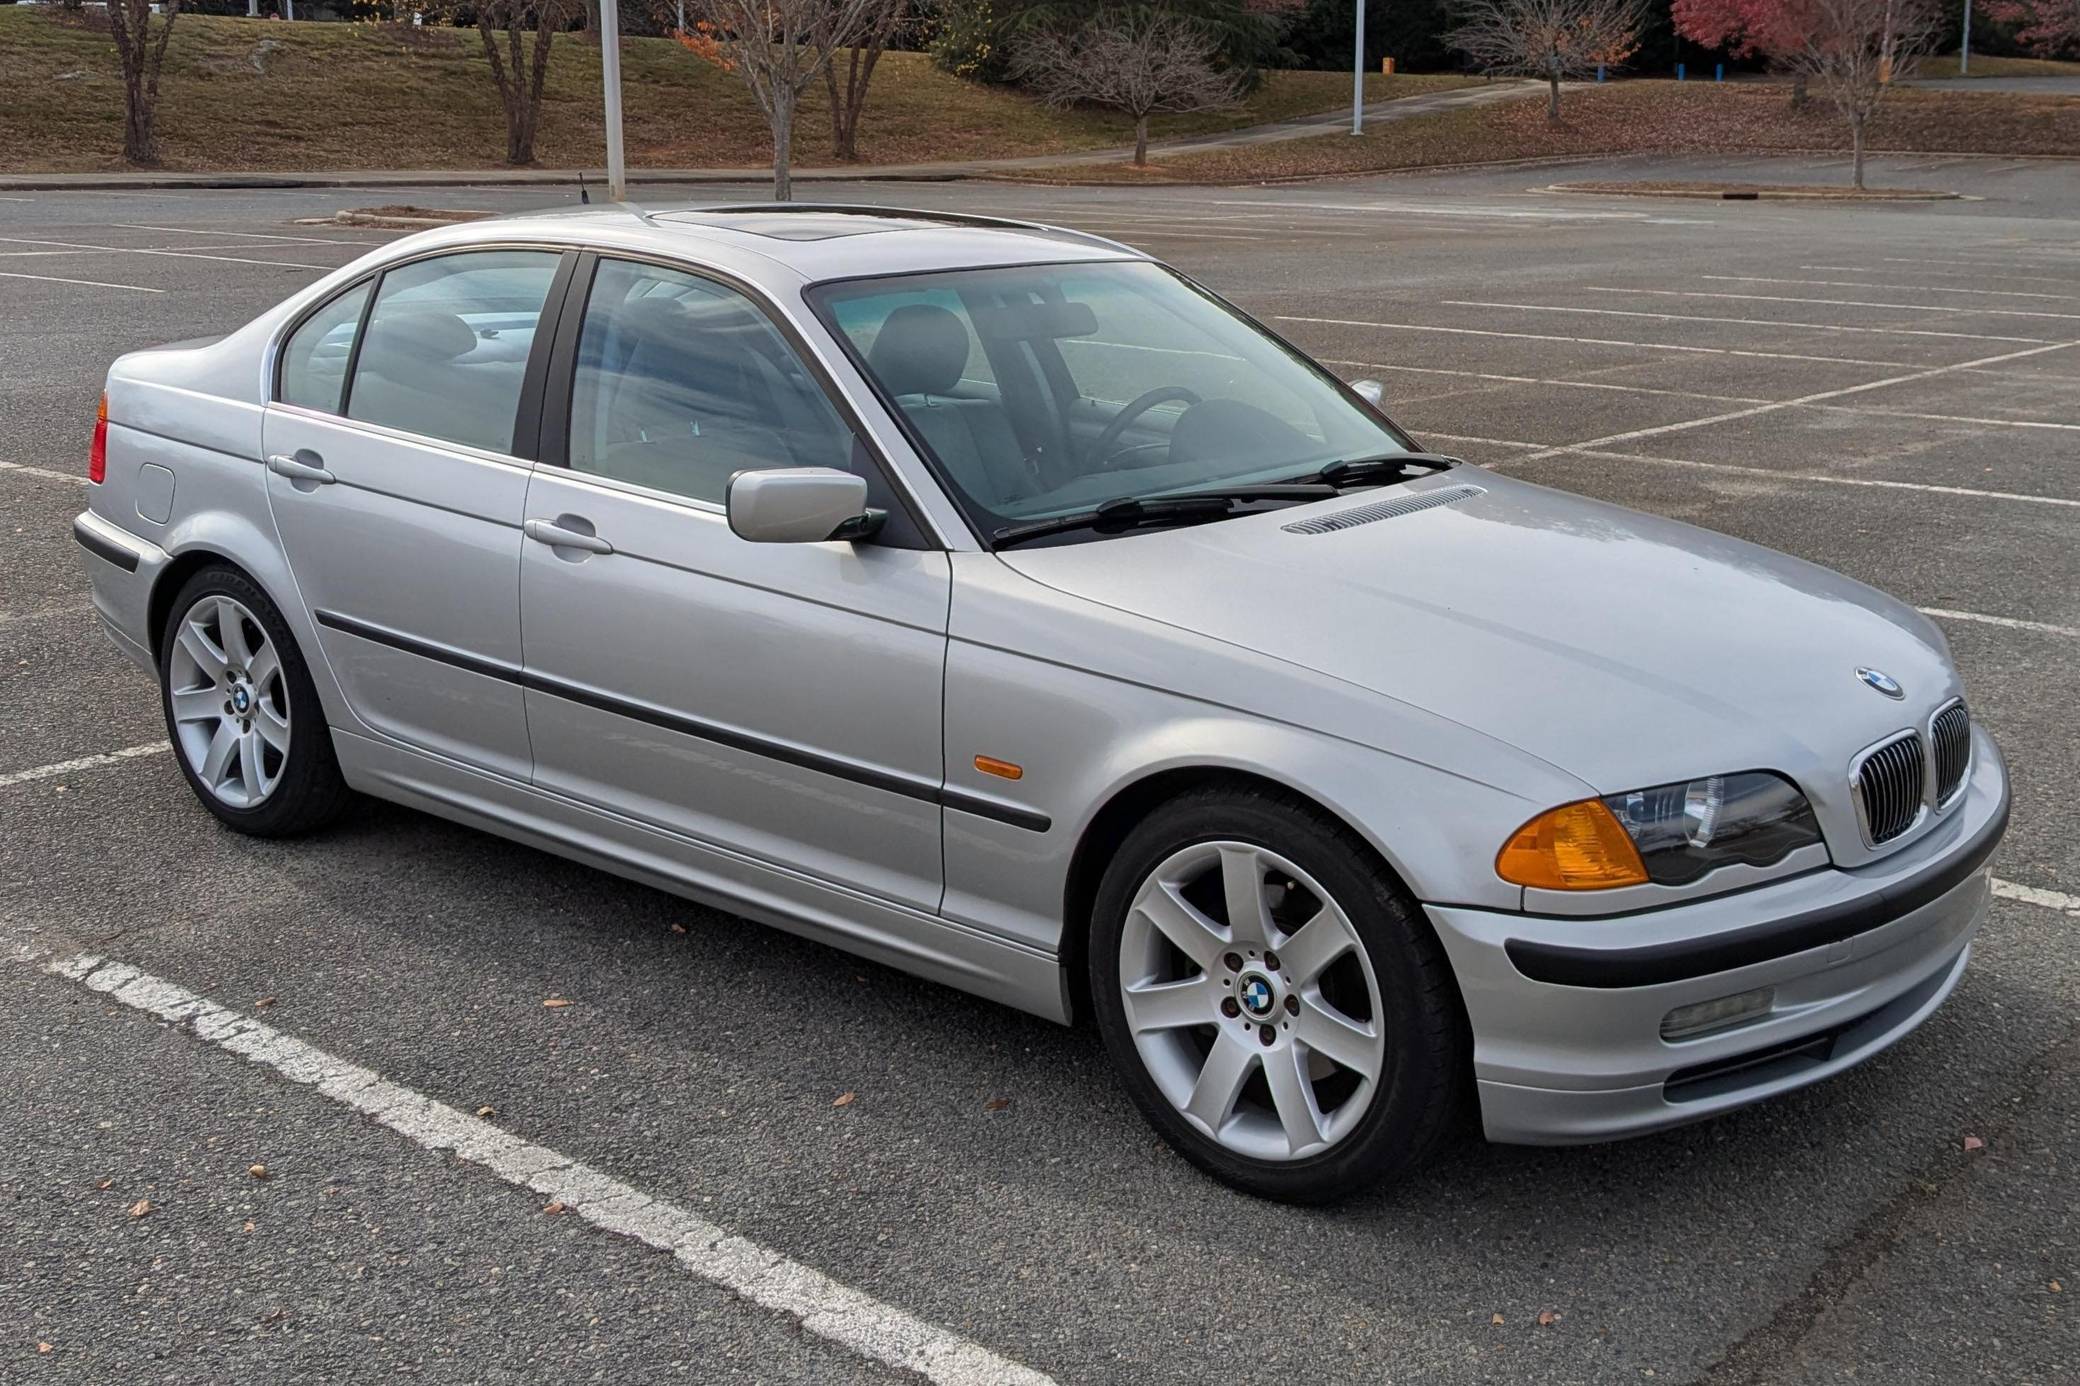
{"x": 1654, "y": 964}
{"x": 1030, "y": 820}
{"x": 102, "y": 548}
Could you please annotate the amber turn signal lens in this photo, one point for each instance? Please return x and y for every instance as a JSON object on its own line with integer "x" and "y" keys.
{"x": 1578, "y": 846}
{"x": 1002, "y": 769}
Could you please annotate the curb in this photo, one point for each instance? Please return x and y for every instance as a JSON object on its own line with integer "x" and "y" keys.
{"x": 1736, "y": 194}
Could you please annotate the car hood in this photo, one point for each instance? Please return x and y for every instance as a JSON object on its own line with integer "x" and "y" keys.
{"x": 1626, "y": 649}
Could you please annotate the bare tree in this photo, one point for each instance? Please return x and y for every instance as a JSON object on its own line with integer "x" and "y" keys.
{"x": 778, "y": 47}
{"x": 1854, "y": 49}
{"x": 523, "y": 68}
{"x": 1553, "y": 39}
{"x": 1143, "y": 62}
{"x": 848, "y": 93}
{"x": 141, "y": 45}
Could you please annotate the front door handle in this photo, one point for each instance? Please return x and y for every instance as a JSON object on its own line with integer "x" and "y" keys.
{"x": 557, "y": 537}
{"x": 299, "y": 471}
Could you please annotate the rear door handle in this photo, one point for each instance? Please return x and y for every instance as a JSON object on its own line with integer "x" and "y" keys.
{"x": 557, "y": 537}
{"x": 299, "y": 471}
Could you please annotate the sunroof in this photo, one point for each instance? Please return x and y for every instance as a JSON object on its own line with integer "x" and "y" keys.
{"x": 801, "y": 226}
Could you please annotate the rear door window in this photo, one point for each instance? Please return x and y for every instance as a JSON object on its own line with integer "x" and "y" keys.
{"x": 445, "y": 352}
{"x": 314, "y": 363}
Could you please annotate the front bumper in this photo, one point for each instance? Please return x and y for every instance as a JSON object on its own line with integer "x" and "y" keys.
{"x": 1567, "y": 1013}
{"x": 122, "y": 569}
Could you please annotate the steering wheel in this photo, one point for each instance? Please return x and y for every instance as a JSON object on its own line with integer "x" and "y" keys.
{"x": 1108, "y": 442}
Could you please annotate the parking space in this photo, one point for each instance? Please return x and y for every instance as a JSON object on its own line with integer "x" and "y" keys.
{"x": 978, "y": 1192}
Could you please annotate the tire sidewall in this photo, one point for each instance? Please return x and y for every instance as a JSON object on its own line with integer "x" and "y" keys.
{"x": 1392, "y": 1134}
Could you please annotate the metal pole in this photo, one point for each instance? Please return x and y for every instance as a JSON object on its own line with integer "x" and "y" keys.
{"x": 1358, "y": 74}
{"x": 1964, "y": 54}
{"x": 610, "y": 77}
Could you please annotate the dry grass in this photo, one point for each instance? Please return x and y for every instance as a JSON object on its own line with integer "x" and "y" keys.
{"x": 1631, "y": 118}
{"x": 1985, "y": 66}
{"x": 255, "y": 95}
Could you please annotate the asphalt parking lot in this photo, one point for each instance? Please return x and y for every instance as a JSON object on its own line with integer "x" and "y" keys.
{"x": 1892, "y": 391}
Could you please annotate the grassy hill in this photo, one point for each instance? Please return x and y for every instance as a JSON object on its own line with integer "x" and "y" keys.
{"x": 242, "y": 94}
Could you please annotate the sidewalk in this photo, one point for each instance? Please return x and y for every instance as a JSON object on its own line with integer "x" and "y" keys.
{"x": 1327, "y": 123}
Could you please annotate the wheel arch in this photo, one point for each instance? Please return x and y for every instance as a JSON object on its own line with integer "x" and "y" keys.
{"x": 1129, "y": 804}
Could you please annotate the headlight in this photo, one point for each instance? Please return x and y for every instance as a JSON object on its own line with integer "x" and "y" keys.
{"x": 1672, "y": 834}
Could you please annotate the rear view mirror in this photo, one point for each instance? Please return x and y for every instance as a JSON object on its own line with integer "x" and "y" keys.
{"x": 800, "y": 505}
{"x": 1371, "y": 391}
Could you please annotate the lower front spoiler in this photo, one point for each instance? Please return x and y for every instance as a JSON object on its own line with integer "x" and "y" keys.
{"x": 1519, "y": 1115}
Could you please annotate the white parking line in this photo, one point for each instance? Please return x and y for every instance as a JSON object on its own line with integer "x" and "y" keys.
{"x": 1817, "y": 397}
{"x": 92, "y": 283}
{"x": 105, "y": 250}
{"x": 1735, "y": 322}
{"x": 1890, "y": 288}
{"x": 66, "y": 767}
{"x": 1588, "y": 341}
{"x": 1833, "y": 302}
{"x": 2031, "y": 895}
{"x": 1865, "y": 410}
{"x": 175, "y": 254}
{"x": 2006, "y": 622}
{"x": 1948, "y": 274}
{"x": 45, "y": 472}
{"x": 821, "y": 1305}
{"x": 251, "y": 235}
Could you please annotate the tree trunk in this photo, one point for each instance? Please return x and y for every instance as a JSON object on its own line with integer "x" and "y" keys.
{"x": 1553, "y": 96}
{"x": 1798, "y": 92}
{"x": 783, "y": 143}
{"x": 1141, "y": 140}
{"x": 1856, "y": 142}
{"x": 137, "y": 123}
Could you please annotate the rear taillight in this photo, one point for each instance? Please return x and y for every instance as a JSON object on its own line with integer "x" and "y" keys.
{"x": 97, "y": 455}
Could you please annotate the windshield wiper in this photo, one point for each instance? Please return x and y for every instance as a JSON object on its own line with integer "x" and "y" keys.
{"x": 1376, "y": 471}
{"x": 1133, "y": 512}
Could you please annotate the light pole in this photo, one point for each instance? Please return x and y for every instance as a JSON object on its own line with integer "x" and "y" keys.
{"x": 1358, "y": 73}
{"x": 1964, "y": 53}
{"x": 610, "y": 78}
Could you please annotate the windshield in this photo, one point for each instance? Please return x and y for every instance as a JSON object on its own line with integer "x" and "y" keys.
{"x": 1044, "y": 390}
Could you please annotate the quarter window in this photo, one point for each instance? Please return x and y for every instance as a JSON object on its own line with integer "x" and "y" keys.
{"x": 681, "y": 382}
{"x": 447, "y": 345}
{"x": 314, "y": 364}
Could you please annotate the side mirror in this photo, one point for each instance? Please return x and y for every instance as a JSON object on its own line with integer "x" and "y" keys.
{"x": 800, "y": 505}
{"x": 1371, "y": 391}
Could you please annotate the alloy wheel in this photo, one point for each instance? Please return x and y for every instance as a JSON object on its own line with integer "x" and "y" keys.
{"x": 1251, "y": 1001}
{"x": 230, "y": 703}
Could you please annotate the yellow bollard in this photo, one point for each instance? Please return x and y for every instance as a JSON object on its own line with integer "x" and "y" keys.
{"x": 1884, "y": 69}
{"x": 1386, "y": 67}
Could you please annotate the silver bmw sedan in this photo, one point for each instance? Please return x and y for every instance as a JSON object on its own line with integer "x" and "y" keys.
{"x": 994, "y": 601}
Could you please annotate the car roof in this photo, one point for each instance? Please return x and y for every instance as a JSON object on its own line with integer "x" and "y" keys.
{"x": 822, "y": 241}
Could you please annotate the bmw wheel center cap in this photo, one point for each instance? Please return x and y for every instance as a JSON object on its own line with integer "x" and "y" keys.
{"x": 1259, "y": 1000}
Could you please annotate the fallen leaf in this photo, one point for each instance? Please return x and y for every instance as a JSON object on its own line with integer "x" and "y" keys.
{"x": 678, "y": 928}
{"x": 1495, "y": 1319}
{"x": 1547, "y": 1318}
{"x": 487, "y": 1112}
{"x": 263, "y": 1003}
{"x": 1974, "y": 1143}
{"x": 258, "y": 1171}
{"x": 43, "y": 1347}
{"x": 104, "y": 1183}
{"x": 845, "y": 1099}
{"x": 996, "y": 1104}
{"x": 140, "y": 1208}
{"x": 249, "y": 1224}
{"x": 556, "y": 1003}
{"x": 553, "y": 1207}
{"x": 2057, "y": 1288}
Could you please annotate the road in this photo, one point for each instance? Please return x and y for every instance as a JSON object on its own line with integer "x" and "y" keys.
{"x": 1893, "y": 391}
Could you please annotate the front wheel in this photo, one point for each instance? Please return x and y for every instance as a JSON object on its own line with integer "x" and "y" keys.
{"x": 245, "y": 722}
{"x": 1274, "y": 1004}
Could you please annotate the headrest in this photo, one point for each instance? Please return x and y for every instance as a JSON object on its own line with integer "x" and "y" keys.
{"x": 417, "y": 334}
{"x": 921, "y": 350}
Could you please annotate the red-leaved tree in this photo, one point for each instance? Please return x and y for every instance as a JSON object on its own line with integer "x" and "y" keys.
{"x": 1773, "y": 30}
{"x": 2047, "y": 28}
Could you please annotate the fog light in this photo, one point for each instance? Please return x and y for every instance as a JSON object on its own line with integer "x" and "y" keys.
{"x": 1688, "y": 1022}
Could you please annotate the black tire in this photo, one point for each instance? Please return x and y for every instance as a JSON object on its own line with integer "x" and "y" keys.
{"x": 311, "y": 791}
{"x": 1424, "y": 1092}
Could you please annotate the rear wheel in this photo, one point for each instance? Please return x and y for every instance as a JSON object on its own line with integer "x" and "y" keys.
{"x": 1274, "y": 1004}
{"x": 244, "y": 720}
